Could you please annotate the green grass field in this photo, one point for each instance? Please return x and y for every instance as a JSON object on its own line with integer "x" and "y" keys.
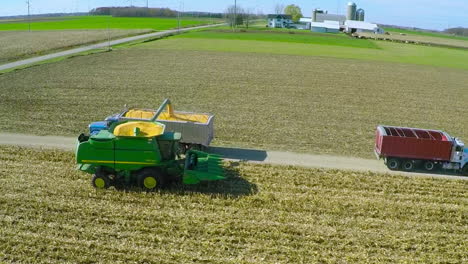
{"x": 261, "y": 214}
{"x": 422, "y": 33}
{"x": 103, "y": 22}
{"x": 304, "y": 37}
{"x": 311, "y": 100}
{"x": 318, "y": 45}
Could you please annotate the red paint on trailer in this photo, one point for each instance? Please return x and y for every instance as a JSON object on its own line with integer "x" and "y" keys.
{"x": 413, "y": 143}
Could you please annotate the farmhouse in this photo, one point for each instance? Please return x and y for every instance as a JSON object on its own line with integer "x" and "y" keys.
{"x": 279, "y": 21}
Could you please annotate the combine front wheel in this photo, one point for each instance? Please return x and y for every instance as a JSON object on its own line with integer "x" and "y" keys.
{"x": 149, "y": 180}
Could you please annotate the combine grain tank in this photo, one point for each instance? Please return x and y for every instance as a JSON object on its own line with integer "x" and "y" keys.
{"x": 409, "y": 148}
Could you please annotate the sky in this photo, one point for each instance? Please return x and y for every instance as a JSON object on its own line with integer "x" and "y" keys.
{"x": 428, "y": 14}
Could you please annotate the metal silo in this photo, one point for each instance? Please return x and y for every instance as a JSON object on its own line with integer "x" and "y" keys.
{"x": 351, "y": 14}
{"x": 314, "y": 14}
{"x": 360, "y": 14}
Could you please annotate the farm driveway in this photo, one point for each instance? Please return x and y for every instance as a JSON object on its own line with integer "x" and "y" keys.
{"x": 236, "y": 154}
{"x": 95, "y": 46}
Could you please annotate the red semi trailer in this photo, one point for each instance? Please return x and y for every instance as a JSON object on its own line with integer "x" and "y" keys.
{"x": 409, "y": 148}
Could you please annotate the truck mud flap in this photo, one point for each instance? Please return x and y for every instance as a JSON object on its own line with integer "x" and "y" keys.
{"x": 201, "y": 166}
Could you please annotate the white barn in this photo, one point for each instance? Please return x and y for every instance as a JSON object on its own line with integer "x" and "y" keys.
{"x": 327, "y": 26}
{"x": 352, "y": 26}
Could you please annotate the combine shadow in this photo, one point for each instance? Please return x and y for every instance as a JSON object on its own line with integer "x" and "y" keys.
{"x": 239, "y": 153}
{"x": 234, "y": 186}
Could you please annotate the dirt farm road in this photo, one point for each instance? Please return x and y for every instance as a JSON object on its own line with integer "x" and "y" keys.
{"x": 101, "y": 45}
{"x": 236, "y": 154}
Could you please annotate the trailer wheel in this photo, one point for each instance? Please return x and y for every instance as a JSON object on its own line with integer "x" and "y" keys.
{"x": 429, "y": 166}
{"x": 182, "y": 148}
{"x": 150, "y": 179}
{"x": 408, "y": 165}
{"x": 100, "y": 181}
{"x": 465, "y": 170}
{"x": 393, "y": 164}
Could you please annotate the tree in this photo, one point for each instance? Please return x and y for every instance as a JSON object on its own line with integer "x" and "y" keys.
{"x": 232, "y": 12}
{"x": 248, "y": 17}
{"x": 279, "y": 8}
{"x": 294, "y": 11}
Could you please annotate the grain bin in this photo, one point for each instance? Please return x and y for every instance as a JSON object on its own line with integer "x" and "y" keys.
{"x": 351, "y": 14}
{"x": 360, "y": 14}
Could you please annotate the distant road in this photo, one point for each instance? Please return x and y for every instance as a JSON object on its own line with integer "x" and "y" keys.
{"x": 237, "y": 154}
{"x": 20, "y": 63}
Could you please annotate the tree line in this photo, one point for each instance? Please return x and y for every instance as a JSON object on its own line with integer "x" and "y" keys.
{"x": 458, "y": 31}
{"x": 134, "y": 11}
{"x": 241, "y": 16}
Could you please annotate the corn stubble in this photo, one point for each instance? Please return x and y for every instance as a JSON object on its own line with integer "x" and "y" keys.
{"x": 262, "y": 214}
{"x": 15, "y": 45}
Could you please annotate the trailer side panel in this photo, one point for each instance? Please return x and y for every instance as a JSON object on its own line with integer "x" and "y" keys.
{"x": 413, "y": 143}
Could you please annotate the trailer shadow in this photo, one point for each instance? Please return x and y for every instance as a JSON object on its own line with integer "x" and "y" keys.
{"x": 239, "y": 153}
{"x": 234, "y": 186}
{"x": 440, "y": 172}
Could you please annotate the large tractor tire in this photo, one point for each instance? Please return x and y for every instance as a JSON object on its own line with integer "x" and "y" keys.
{"x": 100, "y": 181}
{"x": 151, "y": 179}
{"x": 393, "y": 164}
{"x": 408, "y": 165}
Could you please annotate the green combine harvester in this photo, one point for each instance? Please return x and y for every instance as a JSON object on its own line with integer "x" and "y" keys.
{"x": 141, "y": 153}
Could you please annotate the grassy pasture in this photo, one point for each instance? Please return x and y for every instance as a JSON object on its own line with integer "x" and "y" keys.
{"x": 420, "y": 39}
{"x": 346, "y": 48}
{"x": 51, "y": 214}
{"x": 422, "y": 33}
{"x": 275, "y": 102}
{"x": 16, "y": 45}
{"x": 103, "y": 22}
{"x": 283, "y": 36}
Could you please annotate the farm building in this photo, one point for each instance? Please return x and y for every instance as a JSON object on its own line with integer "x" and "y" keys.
{"x": 322, "y": 17}
{"x": 279, "y": 21}
{"x": 300, "y": 25}
{"x": 352, "y": 26}
{"x": 326, "y": 26}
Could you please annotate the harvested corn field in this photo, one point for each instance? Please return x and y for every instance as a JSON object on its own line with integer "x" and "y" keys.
{"x": 15, "y": 45}
{"x": 309, "y": 104}
{"x": 264, "y": 214}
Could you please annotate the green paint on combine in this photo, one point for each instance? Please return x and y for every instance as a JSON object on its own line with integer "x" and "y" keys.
{"x": 143, "y": 154}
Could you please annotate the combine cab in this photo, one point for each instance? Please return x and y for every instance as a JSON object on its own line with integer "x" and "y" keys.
{"x": 141, "y": 153}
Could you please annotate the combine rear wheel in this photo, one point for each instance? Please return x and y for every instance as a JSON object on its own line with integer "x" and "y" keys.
{"x": 393, "y": 164}
{"x": 100, "y": 181}
{"x": 408, "y": 165}
{"x": 149, "y": 180}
